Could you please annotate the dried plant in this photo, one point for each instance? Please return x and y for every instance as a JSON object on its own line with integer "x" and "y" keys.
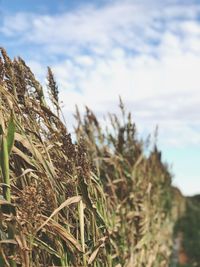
{"x": 100, "y": 201}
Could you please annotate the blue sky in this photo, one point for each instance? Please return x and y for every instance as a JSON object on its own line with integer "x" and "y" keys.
{"x": 147, "y": 51}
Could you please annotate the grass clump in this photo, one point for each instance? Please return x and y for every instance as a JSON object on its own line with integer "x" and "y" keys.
{"x": 188, "y": 226}
{"x": 100, "y": 201}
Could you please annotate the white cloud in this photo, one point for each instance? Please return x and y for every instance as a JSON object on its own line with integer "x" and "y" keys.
{"x": 125, "y": 24}
{"x": 145, "y": 52}
{"x": 162, "y": 91}
{"x": 148, "y": 54}
{"x": 15, "y": 24}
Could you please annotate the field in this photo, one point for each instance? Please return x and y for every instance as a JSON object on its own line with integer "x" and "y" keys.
{"x": 99, "y": 200}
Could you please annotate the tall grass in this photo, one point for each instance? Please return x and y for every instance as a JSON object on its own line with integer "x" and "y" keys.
{"x": 100, "y": 201}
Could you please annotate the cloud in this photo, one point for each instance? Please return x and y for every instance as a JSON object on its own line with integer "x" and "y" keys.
{"x": 91, "y": 29}
{"x": 146, "y": 51}
{"x": 128, "y": 24}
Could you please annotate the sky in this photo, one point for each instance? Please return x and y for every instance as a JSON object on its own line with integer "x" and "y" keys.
{"x": 146, "y": 51}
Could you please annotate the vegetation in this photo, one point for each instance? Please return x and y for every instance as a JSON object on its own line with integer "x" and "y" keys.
{"x": 188, "y": 225}
{"x": 99, "y": 201}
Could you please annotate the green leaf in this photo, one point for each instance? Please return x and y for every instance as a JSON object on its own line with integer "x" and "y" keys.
{"x": 10, "y": 134}
{"x": 2, "y": 262}
{"x": 46, "y": 247}
{"x": 5, "y": 168}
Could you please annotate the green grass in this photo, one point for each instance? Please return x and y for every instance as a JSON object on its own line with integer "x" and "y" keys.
{"x": 189, "y": 226}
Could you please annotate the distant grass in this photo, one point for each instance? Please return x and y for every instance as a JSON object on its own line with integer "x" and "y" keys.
{"x": 100, "y": 201}
{"x": 189, "y": 225}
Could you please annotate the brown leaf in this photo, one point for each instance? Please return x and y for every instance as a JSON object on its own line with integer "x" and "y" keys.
{"x": 66, "y": 203}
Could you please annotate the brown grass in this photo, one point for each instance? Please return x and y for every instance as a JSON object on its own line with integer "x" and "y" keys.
{"x": 100, "y": 201}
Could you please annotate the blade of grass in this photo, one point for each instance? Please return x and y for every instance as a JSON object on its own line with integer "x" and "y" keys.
{"x": 82, "y": 227}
